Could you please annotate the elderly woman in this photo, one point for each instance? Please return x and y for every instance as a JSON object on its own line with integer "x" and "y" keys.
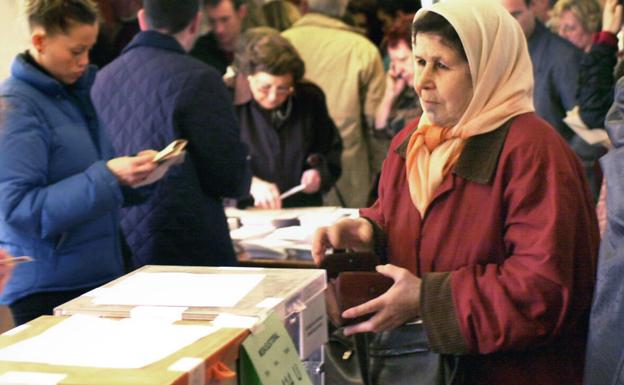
{"x": 60, "y": 187}
{"x": 577, "y": 21}
{"x": 484, "y": 216}
{"x": 285, "y": 123}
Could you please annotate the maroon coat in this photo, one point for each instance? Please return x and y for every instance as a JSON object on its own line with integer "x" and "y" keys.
{"x": 506, "y": 251}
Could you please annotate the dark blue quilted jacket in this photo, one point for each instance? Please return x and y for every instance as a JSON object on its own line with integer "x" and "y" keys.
{"x": 155, "y": 93}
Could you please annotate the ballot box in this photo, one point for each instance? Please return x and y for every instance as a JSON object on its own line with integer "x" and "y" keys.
{"x": 88, "y": 350}
{"x": 229, "y": 297}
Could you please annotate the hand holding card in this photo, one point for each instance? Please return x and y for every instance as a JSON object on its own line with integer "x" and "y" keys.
{"x": 171, "y": 155}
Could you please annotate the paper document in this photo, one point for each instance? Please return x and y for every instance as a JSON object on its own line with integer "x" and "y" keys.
{"x": 590, "y": 135}
{"x": 171, "y": 155}
{"x": 180, "y": 289}
{"x": 15, "y": 260}
{"x": 105, "y": 343}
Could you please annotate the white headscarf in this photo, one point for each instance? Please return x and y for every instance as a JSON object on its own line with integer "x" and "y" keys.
{"x": 502, "y": 79}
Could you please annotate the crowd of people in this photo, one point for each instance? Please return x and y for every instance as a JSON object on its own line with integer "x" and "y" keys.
{"x": 447, "y": 132}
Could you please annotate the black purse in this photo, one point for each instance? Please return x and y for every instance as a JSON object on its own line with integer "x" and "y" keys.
{"x": 402, "y": 356}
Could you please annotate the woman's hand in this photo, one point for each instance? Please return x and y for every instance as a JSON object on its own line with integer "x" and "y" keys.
{"x": 347, "y": 233}
{"x": 612, "y": 17}
{"x": 311, "y": 179}
{"x": 265, "y": 194}
{"x": 130, "y": 170}
{"x": 399, "y": 305}
{"x": 5, "y": 269}
{"x": 395, "y": 84}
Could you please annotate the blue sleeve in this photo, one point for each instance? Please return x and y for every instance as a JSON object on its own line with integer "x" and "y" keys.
{"x": 29, "y": 202}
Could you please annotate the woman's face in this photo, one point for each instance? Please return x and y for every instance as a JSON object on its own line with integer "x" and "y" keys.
{"x": 441, "y": 80}
{"x": 270, "y": 91}
{"x": 571, "y": 29}
{"x": 65, "y": 55}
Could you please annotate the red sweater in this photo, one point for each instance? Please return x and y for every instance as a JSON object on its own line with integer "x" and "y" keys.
{"x": 506, "y": 250}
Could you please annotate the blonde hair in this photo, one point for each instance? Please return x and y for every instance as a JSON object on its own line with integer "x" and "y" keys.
{"x": 280, "y": 14}
{"x": 588, "y": 13}
{"x": 59, "y": 15}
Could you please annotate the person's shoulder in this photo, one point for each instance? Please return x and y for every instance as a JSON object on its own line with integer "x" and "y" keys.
{"x": 403, "y": 135}
{"x": 561, "y": 48}
{"x": 530, "y": 134}
{"x": 306, "y": 89}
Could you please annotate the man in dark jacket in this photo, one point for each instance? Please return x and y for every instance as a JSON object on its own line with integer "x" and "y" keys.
{"x": 226, "y": 21}
{"x": 155, "y": 93}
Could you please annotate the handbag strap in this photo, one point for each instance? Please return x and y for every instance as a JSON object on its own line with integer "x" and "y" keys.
{"x": 361, "y": 352}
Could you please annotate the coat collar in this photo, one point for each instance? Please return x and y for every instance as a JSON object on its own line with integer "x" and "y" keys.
{"x": 479, "y": 157}
{"x": 23, "y": 70}
{"x": 155, "y": 39}
{"x": 319, "y": 20}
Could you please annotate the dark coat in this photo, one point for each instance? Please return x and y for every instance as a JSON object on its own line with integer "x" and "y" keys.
{"x": 555, "y": 70}
{"x": 155, "y": 93}
{"x": 506, "y": 250}
{"x": 596, "y": 81}
{"x": 605, "y": 347}
{"x": 281, "y": 149}
{"x": 207, "y": 50}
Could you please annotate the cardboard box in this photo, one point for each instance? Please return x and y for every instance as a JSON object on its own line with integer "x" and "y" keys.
{"x": 199, "y": 363}
{"x": 296, "y": 295}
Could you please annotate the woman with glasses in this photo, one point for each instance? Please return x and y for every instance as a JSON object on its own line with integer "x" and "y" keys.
{"x": 284, "y": 120}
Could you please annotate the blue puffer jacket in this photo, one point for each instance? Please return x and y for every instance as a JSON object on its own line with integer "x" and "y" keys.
{"x": 605, "y": 345}
{"x": 154, "y": 93}
{"x": 58, "y": 200}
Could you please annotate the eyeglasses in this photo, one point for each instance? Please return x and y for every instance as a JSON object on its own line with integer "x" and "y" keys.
{"x": 265, "y": 89}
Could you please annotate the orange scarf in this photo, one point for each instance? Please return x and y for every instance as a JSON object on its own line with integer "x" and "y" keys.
{"x": 502, "y": 80}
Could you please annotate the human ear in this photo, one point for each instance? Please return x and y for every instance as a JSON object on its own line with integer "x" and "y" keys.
{"x": 38, "y": 39}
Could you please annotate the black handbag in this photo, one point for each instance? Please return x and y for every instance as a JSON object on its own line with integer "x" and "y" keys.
{"x": 398, "y": 357}
{"x": 402, "y": 356}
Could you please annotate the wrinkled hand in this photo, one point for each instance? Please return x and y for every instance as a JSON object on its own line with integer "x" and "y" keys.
{"x": 265, "y": 194}
{"x": 5, "y": 269}
{"x": 347, "y": 233}
{"x": 612, "y": 17}
{"x": 399, "y": 305}
{"x": 311, "y": 179}
{"x": 130, "y": 170}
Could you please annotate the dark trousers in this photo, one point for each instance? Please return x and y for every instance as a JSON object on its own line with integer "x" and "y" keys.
{"x": 38, "y": 304}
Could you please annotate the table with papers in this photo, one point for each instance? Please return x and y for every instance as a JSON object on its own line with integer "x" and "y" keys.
{"x": 280, "y": 238}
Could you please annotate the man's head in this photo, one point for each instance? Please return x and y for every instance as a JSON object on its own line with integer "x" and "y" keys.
{"x": 173, "y": 17}
{"x": 334, "y": 8}
{"x": 522, "y": 11}
{"x": 226, "y": 20}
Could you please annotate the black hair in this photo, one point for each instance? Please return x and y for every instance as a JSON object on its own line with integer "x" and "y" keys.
{"x": 392, "y": 7}
{"x": 433, "y": 23}
{"x": 170, "y": 15}
{"x": 213, "y": 3}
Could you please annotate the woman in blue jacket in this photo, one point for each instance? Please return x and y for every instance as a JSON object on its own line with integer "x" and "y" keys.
{"x": 60, "y": 191}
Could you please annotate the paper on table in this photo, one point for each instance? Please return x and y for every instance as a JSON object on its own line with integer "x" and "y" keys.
{"x": 180, "y": 289}
{"x": 591, "y": 136}
{"x": 104, "y": 343}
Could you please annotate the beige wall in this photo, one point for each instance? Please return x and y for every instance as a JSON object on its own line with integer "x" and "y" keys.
{"x": 13, "y": 34}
